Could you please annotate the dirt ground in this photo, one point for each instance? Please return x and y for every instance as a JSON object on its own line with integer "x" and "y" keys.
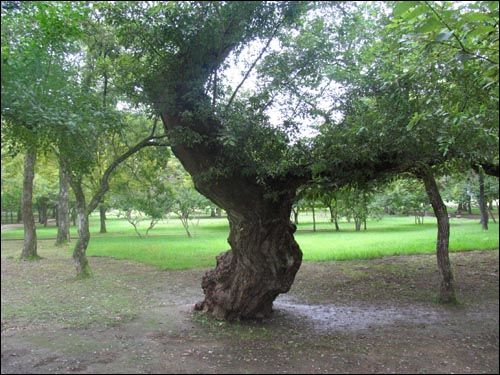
{"x": 376, "y": 316}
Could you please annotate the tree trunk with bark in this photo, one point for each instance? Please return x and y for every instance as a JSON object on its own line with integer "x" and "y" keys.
{"x": 447, "y": 289}
{"x": 261, "y": 264}
{"x": 264, "y": 256}
{"x": 63, "y": 236}
{"x": 482, "y": 200}
{"x": 29, "y": 251}
{"x": 80, "y": 260}
{"x": 102, "y": 216}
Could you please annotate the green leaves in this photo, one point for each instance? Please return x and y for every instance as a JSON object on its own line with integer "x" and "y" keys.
{"x": 443, "y": 36}
{"x": 403, "y": 6}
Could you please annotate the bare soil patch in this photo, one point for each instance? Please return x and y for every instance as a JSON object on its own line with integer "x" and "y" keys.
{"x": 374, "y": 316}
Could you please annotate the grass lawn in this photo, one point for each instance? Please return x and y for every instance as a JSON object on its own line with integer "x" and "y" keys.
{"x": 168, "y": 247}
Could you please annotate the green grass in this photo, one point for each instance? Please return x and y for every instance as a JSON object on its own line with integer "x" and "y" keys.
{"x": 168, "y": 247}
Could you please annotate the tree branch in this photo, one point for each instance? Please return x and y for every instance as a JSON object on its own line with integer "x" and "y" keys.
{"x": 247, "y": 74}
{"x": 104, "y": 185}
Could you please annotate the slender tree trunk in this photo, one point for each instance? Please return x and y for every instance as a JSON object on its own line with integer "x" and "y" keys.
{"x": 63, "y": 236}
{"x": 357, "y": 224}
{"x": 102, "y": 215}
{"x": 30, "y": 240}
{"x": 295, "y": 212}
{"x": 447, "y": 290}
{"x": 482, "y": 201}
{"x": 490, "y": 208}
{"x": 73, "y": 214}
{"x": 80, "y": 260}
{"x": 314, "y": 218}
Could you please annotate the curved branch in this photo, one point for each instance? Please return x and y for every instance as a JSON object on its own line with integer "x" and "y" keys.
{"x": 247, "y": 74}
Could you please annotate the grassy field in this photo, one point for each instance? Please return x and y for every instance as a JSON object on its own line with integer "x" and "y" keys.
{"x": 168, "y": 247}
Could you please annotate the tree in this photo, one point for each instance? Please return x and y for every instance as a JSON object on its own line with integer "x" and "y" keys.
{"x": 220, "y": 142}
{"x": 11, "y": 185}
{"x": 186, "y": 202}
{"x": 35, "y": 39}
{"x": 383, "y": 103}
{"x": 407, "y": 195}
{"x": 149, "y": 193}
{"x": 447, "y": 290}
{"x": 392, "y": 120}
{"x": 80, "y": 166}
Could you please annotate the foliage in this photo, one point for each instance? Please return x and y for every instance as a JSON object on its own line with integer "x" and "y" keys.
{"x": 38, "y": 39}
{"x": 186, "y": 202}
{"x": 150, "y": 191}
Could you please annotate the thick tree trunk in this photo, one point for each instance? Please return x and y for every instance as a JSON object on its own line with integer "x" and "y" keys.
{"x": 102, "y": 216}
{"x": 447, "y": 290}
{"x": 63, "y": 226}
{"x": 30, "y": 241}
{"x": 482, "y": 201}
{"x": 264, "y": 256}
{"x": 261, "y": 264}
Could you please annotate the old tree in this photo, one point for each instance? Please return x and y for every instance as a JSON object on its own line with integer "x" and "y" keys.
{"x": 259, "y": 100}
{"x": 252, "y": 166}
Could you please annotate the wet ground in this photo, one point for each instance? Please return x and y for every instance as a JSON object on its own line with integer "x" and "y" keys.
{"x": 376, "y": 316}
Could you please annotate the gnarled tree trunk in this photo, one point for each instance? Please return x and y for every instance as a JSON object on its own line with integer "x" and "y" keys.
{"x": 261, "y": 264}
{"x": 264, "y": 257}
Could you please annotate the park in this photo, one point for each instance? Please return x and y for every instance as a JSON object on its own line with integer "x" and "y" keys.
{"x": 250, "y": 187}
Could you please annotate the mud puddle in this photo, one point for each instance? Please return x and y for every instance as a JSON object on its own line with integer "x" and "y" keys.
{"x": 325, "y": 317}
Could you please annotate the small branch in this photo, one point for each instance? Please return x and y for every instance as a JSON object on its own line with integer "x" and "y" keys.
{"x": 104, "y": 186}
{"x": 462, "y": 46}
{"x": 247, "y": 74}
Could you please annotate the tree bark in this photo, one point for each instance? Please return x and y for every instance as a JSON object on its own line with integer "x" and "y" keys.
{"x": 63, "y": 236}
{"x": 102, "y": 216}
{"x": 447, "y": 289}
{"x": 80, "y": 260}
{"x": 261, "y": 264}
{"x": 30, "y": 240}
{"x": 314, "y": 216}
{"x": 482, "y": 201}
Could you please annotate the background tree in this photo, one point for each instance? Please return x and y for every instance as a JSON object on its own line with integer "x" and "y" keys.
{"x": 36, "y": 38}
{"x": 186, "y": 202}
{"x": 144, "y": 189}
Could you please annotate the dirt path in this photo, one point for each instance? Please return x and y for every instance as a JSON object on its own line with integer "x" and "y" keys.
{"x": 376, "y": 316}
